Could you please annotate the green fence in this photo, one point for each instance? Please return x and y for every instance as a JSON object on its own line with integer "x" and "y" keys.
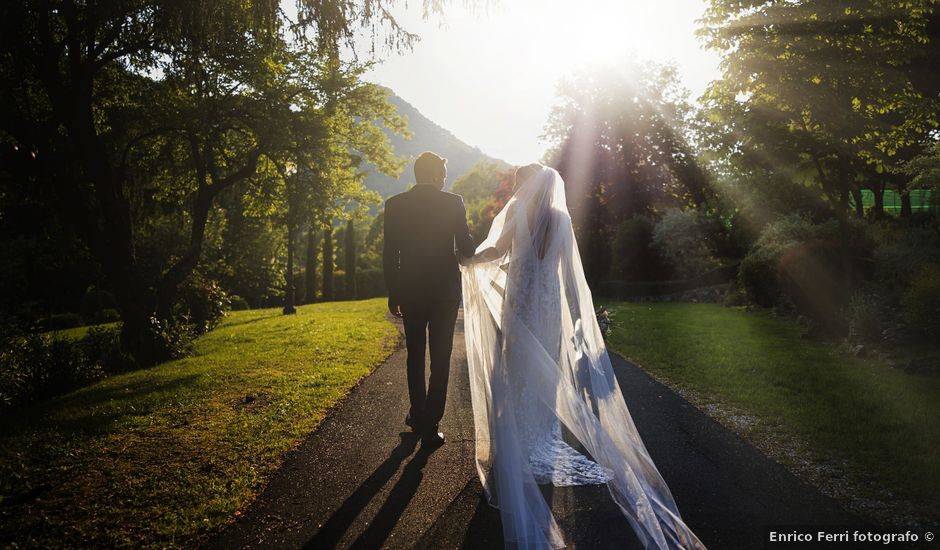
{"x": 922, "y": 200}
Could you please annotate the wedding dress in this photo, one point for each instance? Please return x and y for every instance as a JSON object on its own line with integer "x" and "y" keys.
{"x": 538, "y": 361}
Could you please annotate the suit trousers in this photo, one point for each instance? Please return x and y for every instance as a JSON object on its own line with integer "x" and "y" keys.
{"x": 428, "y": 324}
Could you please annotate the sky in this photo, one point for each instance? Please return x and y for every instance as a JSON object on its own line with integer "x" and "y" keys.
{"x": 490, "y": 77}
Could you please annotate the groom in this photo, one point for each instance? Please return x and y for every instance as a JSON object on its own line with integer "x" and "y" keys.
{"x": 422, "y": 227}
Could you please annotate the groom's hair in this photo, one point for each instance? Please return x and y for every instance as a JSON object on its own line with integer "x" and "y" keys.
{"x": 428, "y": 167}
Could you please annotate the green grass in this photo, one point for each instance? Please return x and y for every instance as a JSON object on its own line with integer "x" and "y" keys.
{"x": 78, "y": 333}
{"x": 163, "y": 456}
{"x": 882, "y": 421}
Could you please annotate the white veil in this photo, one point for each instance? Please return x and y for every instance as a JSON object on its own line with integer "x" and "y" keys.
{"x": 579, "y": 386}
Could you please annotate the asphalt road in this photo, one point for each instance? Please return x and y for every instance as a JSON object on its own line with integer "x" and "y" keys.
{"x": 362, "y": 481}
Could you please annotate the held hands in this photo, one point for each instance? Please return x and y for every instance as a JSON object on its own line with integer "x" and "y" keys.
{"x": 487, "y": 255}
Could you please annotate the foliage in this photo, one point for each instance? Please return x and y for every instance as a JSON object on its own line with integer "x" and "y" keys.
{"x": 36, "y": 366}
{"x": 605, "y": 320}
{"x": 633, "y": 257}
{"x": 485, "y": 189}
{"x": 865, "y": 318}
{"x": 925, "y": 168}
{"x": 620, "y": 138}
{"x": 237, "y": 303}
{"x": 125, "y": 123}
{"x": 171, "y": 337}
{"x": 798, "y": 262}
{"x": 62, "y": 321}
{"x": 901, "y": 252}
{"x": 821, "y": 92}
{"x": 758, "y": 273}
{"x": 203, "y": 303}
{"x": 681, "y": 238}
{"x": 921, "y": 302}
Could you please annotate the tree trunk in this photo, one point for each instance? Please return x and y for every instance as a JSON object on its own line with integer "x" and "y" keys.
{"x": 350, "y": 261}
{"x": 878, "y": 209}
{"x": 857, "y": 198}
{"x": 310, "y": 277}
{"x": 289, "y": 308}
{"x": 328, "y": 262}
{"x": 906, "y": 209}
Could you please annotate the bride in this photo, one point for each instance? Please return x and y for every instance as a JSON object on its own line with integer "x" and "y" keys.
{"x": 538, "y": 361}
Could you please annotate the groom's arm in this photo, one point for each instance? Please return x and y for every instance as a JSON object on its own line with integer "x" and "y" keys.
{"x": 462, "y": 236}
{"x": 391, "y": 253}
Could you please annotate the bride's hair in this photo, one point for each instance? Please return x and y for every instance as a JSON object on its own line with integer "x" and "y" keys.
{"x": 523, "y": 173}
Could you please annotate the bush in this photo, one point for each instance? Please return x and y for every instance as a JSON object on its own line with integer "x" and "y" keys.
{"x": 758, "y": 274}
{"x": 921, "y": 301}
{"x": 106, "y": 316}
{"x": 810, "y": 276}
{"x": 173, "y": 338}
{"x": 865, "y": 319}
{"x": 632, "y": 257}
{"x": 681, "y": 239}
{"x": 62, "y": 321}
{"x": 202, "y": 302}
{"x": 370, "y": 283}
{"x": 95, "y": 301}
{"x": 795, "y": 260}
{"x": 102, "y": 346}
{"x": 901, "y": 252}
{"x": 35, "y": 366}
{"x": 237, "y": 303}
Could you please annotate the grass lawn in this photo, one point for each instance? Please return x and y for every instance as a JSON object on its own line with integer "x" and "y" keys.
{"x": 78, "y": 333}
{"x": 859, "y": 414}
{"x": 163, "y": 456}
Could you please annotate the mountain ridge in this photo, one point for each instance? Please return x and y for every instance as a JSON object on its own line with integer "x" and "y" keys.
{"x": 427, "y": 136}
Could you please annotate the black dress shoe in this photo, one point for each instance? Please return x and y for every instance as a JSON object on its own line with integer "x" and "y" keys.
{"x": 433, "y": 439}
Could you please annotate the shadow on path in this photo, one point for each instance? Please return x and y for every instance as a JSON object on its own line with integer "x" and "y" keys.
{"x": 334, "y": 529}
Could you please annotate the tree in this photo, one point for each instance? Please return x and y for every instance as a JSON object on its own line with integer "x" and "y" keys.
{"x": 621, "y": 141}
{"x": 110, "y": 109}
{"x": 819, "y": 88}
{"x": 327, "y": 291}
{"x": 310, "y": 275}
{"x": 485, "y": 190}
{"x": 350, "y": 252}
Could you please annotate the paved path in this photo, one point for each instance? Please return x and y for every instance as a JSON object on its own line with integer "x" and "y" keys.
{"x": 362, "y": 481}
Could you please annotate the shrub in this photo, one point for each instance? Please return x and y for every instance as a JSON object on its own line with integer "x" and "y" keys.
{"x": 809, "y": 274}
{"x": 370, "y": 283}
{"x": 102, "y": 346}
{"x": 632, "y": 257}
{"x": 758, "y": 273}
{"x": 202, "y": 302}
{"x": 801, "y": 261}
{"x": 106, "y": 316}
{"x": 864, "y": 316}
{"x": 95, "y": 301}
{"x": 172, "y": 337}
{"x": 237, "y": 303}
{"x": 901, "y": 252}
{"x": 34, "y": 366}
{"x": 62, "y": 321}
{"x": 681, "y": 239}
{"x": 921, "y": 301}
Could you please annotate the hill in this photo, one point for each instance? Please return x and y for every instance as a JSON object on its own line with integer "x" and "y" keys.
{"x": 427, "y": 136}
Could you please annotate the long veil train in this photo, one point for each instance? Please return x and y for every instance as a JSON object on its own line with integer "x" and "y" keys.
{"x": 568, "y": 374}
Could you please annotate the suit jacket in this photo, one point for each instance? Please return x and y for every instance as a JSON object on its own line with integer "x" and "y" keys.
{"x": 422, "y": 227}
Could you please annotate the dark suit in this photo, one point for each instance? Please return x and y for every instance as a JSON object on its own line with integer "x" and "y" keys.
{"x": 422, "y": 228}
